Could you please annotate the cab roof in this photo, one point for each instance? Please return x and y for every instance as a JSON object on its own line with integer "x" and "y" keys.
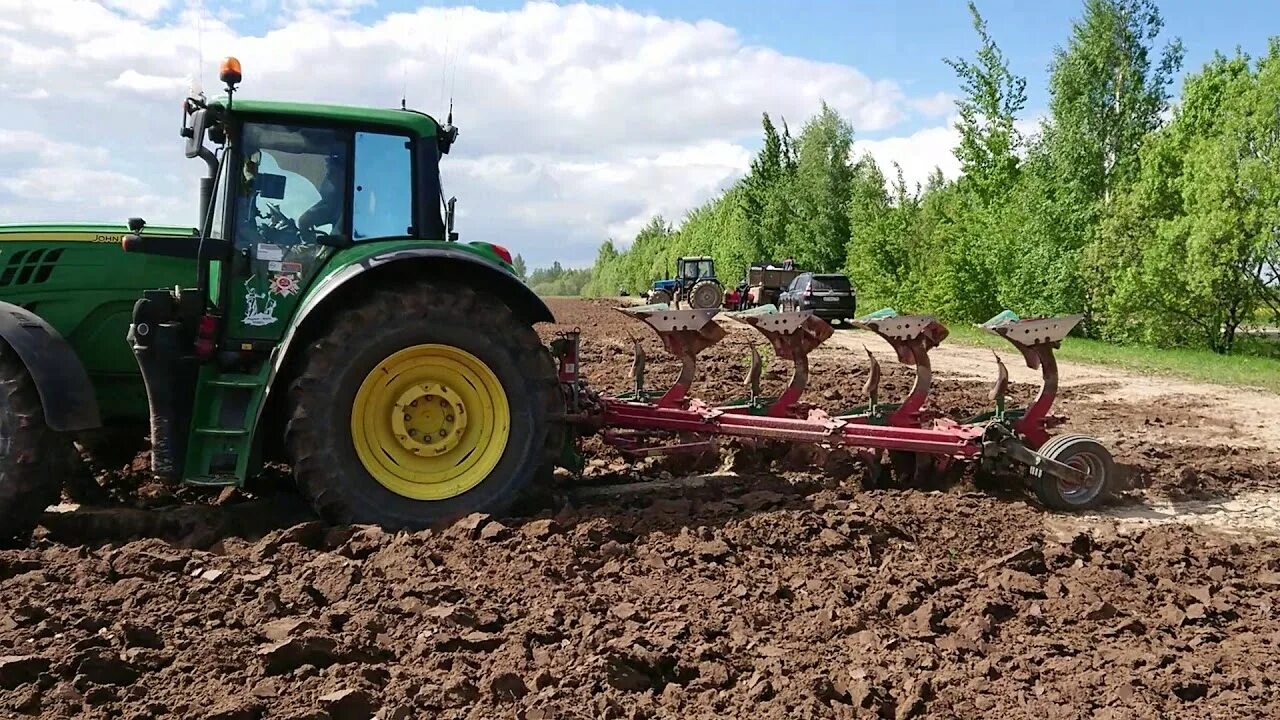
{"x": 418, "y": 124}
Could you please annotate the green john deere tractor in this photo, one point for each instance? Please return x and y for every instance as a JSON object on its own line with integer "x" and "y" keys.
{"x": 322, "y": 312}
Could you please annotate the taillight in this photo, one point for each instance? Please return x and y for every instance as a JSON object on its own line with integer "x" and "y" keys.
{"x": 206, "y": 335}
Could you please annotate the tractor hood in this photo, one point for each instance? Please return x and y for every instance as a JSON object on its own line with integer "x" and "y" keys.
{"x": 81, "y": 232}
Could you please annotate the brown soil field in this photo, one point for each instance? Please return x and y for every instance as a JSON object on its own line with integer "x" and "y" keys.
{"x": 772, "y": 585}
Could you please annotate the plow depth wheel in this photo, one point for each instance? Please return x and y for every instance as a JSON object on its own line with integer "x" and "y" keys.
{"x": 423, "y": 403}
{"x": 1084, "y": 454}
{"x": 705, "y": 294}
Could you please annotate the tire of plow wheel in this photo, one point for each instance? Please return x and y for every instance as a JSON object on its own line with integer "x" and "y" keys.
{"x": 705, "y": 294}
{"x": 1082, "y": 453}
{"x": 33, "y": 458}
{"x": 421, "y": 404}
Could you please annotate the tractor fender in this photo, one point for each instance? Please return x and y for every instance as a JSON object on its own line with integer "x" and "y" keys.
{"x": 524, "y": 303}
{"x": 66, "y": 394}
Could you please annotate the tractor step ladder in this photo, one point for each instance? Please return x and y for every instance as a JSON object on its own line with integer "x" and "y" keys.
{"x": 221, "y": 441}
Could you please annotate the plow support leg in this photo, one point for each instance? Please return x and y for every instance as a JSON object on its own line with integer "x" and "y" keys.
{"x": 793, "y": 335}
{"x": 909, "y": 412}
{"x": 912, "y": 337}
{"x": 1036, "y": 339}
{"x": 684, "y": 334}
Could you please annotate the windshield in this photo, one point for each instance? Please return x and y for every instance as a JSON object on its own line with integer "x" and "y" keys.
{"x": 695, "y": 269}
{"x": 292, "y": 183}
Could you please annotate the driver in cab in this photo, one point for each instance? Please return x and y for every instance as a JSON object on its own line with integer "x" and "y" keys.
{"x": 278, "y": 227}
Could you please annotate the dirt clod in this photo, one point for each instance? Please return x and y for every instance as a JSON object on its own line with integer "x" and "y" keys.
{"x": 18, "y": 669}
{"x": 348, "y": 704}
{"x": 290, "y": 654}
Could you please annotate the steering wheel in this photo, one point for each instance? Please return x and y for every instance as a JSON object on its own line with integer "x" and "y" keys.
{"x": 281, "y": 226}
{"x": 278, "y": 220}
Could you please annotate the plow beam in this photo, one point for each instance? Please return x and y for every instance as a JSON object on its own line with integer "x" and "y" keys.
{"x": 684, "y": 334}
{"x": 793, "y": 335}
{"x": 912, "y": 337}
{"x": 1036, "y": 339}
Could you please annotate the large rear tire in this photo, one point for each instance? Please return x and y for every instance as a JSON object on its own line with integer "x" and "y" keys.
{"x": 32, "y": 457}
{"x": 706, "y": 294}
{"x": 421, "y": 404}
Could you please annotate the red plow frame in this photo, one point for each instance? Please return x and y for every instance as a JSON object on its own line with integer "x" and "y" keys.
{"x": 1066, "y": 472}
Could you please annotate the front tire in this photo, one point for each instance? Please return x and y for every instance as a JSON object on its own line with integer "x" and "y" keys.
{"x": 32, "y": 457}
{"x": 706, "y": 294}
{"x": 422, "y": 404}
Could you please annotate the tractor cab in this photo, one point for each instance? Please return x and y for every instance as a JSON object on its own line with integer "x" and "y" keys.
{"x": 305, "y": 211}
{"x": 692, "y": 269}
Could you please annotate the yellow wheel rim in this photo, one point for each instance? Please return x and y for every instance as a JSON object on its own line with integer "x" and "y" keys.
{"x": 430, "y": 422}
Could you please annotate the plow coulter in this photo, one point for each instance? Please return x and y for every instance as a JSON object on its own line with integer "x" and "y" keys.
{"x": 1067, "y": 472}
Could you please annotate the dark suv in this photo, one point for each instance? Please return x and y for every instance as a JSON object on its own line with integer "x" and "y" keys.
{"x": 830, "y": 297}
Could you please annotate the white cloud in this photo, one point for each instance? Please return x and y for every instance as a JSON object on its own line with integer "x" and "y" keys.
{"x": 148, "y": 84}
{"x": 939, "y": 104}
{"x": 578, "y": 121}
{"x": 26, "y": 144}
{"x": 918, "y": 154}
{"x": 143, "y": 9}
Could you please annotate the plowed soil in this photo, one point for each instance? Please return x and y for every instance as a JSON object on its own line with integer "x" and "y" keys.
{"x": 772, "y": 586}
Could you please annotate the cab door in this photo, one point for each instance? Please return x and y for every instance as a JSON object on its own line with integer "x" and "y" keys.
{"x": 290, "y": 188}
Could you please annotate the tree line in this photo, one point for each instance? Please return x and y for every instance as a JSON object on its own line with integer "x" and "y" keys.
{"x": 554, "y": 280}
{"x": 1158, "y": 220}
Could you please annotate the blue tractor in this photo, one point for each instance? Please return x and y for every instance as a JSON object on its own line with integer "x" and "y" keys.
{"x": 694, "y": 284}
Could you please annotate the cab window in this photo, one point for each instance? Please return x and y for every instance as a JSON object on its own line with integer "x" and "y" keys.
{"x": 291, "y": 185}
{"x": 382, "y": 199}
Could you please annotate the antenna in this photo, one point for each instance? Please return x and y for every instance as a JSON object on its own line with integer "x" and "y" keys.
{"x": 197, "y": 78}
{"x": 404, "y": 83}
{"x": 444, "y": 58}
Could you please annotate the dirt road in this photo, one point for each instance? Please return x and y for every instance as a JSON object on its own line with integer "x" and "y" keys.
{"x": 774, "y": 588}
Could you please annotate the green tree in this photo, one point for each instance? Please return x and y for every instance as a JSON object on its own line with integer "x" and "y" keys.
{"x": 993, "y": 97}
{"x": 763, "y": 195}
{"x": 1194, "y": 240}
{"x": 518, "y": 266}
{"x": 971, "y": 246}
{"x": 819, "y": 231}
{"x": 1106, "y": 93}
{"x": 1108, "y": 89}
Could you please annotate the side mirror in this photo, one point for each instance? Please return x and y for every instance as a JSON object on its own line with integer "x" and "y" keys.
{"x": 449, "y": 209}
{"x": 194, "y": 132}
{"x": 136, "y": 224}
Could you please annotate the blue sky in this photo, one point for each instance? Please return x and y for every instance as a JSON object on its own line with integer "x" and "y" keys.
{"x": 907, "y": 39}
{"x": 579, "y": 122}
